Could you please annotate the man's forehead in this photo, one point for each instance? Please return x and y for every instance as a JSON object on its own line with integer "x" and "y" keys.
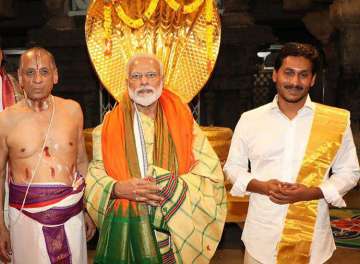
{"x": 37, "y": 57}
{"x": 297, "y": 63}
{"x": 145, "y": 62}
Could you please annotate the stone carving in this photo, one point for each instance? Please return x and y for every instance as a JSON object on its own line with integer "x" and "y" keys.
{"x": 7, "y": 9}
{"x": 296, "y": 5}
{"x": 57, "y": 11}
{"x": 345, "y": 15}
{"x": 343, "y": 12}
{"x": 319, "y": 25}
{"x": 80, "y": 5}
{"x": 236, "y": 14}
{"x": 236, "y": 5}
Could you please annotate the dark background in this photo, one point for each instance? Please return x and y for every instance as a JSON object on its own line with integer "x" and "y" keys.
{"x": 239, "y": 81}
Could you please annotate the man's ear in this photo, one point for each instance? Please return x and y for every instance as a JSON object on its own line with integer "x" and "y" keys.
{"x": 313, "y": 80}
{"x": 274, "y": 76}
{"x": 55, "y": 76}
{"x": 20, "y": 78}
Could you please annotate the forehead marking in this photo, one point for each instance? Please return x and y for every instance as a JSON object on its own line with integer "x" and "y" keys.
{"x": 38, "y": 59}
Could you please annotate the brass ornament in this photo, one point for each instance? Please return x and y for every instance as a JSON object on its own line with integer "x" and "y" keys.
{"x": 220, "y": 140}
{"x": 183, "y": 34}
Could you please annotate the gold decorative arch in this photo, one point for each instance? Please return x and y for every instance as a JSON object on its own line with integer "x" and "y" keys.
{"x": 183, "y": 34}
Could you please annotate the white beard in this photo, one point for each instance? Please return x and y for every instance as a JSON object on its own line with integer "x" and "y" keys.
{"x": 145, "y": 95}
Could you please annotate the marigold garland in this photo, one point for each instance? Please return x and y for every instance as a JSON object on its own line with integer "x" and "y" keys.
{"x": 173, "y": 4}
{"x": 107, "y": 28}
{"x": 209, "y": 12}
{"x": 194, "y": 6}
{"x": 139, "y": 22}
{"x": 187, "y": 9}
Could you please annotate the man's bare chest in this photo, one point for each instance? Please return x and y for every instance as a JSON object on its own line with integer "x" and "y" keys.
{"x": 27, "y": 137}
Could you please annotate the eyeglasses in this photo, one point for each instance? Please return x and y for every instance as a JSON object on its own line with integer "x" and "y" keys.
{"x": 139, "y": 75}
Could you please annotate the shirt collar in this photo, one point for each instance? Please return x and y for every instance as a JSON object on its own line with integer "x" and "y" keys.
{"x": 308, "y": 104}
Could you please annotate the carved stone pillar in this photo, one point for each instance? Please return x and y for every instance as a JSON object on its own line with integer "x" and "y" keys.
{"x": 79, "y": 7}
{"x": 318, "y": 23}
{"x": 209, "y": 100}
{"x": 296, "y": 5}
{"x": 57, "y": 12}
{"x": 7, "y": 9}
{"x": 345, "y": 15}
{"x": 236, "y": 13}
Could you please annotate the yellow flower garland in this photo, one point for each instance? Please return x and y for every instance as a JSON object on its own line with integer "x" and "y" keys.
{"x": 188, "y": 9}
{"x": 194, "y": 6}
{"x": 139, "y": 22}
{"x": 209, "y": 12}
{"x": 107, "y": 28}
{"x": 173, "y": 4}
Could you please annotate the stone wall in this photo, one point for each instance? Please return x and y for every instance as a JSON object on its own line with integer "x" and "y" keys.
{"x": 230, "y": 90}
{"x": 247, "y": 26}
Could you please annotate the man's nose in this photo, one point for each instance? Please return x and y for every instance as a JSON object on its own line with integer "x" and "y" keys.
{"x": 37, "y": 78}
{"x": 295, "y": 80}
{"x": 144, "y": 79}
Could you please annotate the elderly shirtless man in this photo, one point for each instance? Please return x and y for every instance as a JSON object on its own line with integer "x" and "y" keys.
{"x": 42, "y": 149}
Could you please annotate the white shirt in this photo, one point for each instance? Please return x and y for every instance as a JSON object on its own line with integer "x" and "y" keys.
{"x": 275, "y": 146}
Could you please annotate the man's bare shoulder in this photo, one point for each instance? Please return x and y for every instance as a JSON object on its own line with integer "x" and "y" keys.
{"x": 10, "y": 115}
{"x": 70, "y": 105}
{"x": 13, "y": 110}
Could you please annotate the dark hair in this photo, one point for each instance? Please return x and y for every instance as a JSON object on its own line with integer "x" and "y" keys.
{"x": 298, "y": 50}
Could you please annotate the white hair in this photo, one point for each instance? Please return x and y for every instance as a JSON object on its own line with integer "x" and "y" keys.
{"x": 144, "y": 56}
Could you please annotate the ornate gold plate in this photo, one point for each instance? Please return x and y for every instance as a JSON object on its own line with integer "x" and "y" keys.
{"x": 183, "y": 34}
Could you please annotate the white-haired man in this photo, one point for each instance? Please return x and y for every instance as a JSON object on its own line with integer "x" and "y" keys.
{"x": 155, "y": 186}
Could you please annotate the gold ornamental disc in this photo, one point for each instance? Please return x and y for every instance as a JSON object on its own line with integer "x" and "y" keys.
{"x": 183, "y": 34}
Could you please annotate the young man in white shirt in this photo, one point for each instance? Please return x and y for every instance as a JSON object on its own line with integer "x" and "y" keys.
{"x": 292, "y": 143}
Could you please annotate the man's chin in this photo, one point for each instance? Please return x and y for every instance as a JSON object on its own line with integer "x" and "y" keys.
{"x": 38, "y": 98}
{"x": 294, "y": 99}
{"x": 144, "y": 103}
